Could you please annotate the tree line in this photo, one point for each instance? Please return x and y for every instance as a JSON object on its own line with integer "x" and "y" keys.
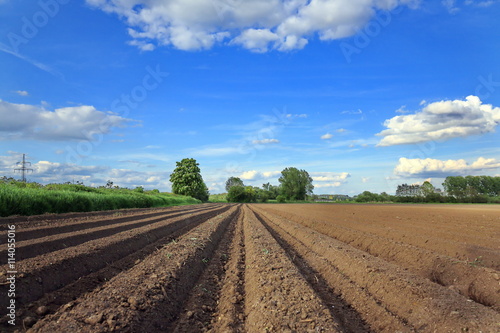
{"x": 297, "y": 185}
{"x": 294, "y": 185}
{"x": 457, "y": 189}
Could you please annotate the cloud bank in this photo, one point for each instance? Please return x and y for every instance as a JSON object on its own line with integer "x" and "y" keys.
{"x": 257, "y": 25}
{"x": 441, "y": 121}
{"x": 22, "y": 121}
{"x": 437, "y": 168}
{"x": 52, "y": 172}
{"x": 329, "y": 179}
{"x": 259, "y": 175}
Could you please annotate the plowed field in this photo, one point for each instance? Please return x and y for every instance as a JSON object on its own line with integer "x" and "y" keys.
{"x": 257, "y": 268}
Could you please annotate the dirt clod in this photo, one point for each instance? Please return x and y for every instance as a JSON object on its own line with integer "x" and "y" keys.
{"x": 94, "y": 319}
{"x": 42, "y": 310}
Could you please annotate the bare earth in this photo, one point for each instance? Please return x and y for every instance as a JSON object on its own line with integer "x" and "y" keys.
{"x": 258, "y": 268}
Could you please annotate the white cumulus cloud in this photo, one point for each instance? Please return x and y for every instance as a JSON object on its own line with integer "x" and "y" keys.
{"x": 326, "y": 136}
{"x": 255, "y": 175}
{"x": 257, "y": 25}
{"x": 323, "y": 185}
{"x": 70, "y": 123}
{"x": 432, "y": 167}
{"x": 249, "y": 175}
{"x": 329, "y": 179}
{"x": 441, "y": 121}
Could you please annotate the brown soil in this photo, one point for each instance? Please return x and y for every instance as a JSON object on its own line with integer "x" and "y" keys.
{"x": 259, "y": 268}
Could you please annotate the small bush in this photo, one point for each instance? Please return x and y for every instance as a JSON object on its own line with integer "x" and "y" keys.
{"x": 281, "y": 198}
{"x": 241, "y": 194}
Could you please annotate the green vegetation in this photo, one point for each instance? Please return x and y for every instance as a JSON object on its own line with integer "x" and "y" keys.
{"x": 281, "y": 198}
{"x": 233, "y": 181}
{"x": 218, "y": 197}
{"x": 187, "y": 180}
{"x": 19, "y": 198}
{"x": 458, "y": 189}
{"x": 472, "y": 188}
{"x": 295, "y": 184}
{"x": 243, "y": 193}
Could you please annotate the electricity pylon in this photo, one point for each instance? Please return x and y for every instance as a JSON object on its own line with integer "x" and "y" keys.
{"x": 23, "y": 167}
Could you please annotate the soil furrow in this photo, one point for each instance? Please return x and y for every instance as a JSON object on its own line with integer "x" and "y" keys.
{"x": 350, "y": 320}
{"x": 425, "y": 306}
{"x": 371, "y": 310}
{"x": 52, "y": 301}
{"x": 230, "y": 315}
{"x": 42, "y": 274}
{"x": 478, "y": 283}
{"x": 30, "y": 230}
{"x": 201, "y": 307}
{"x": 278, "y": 298}
{"x": 257, "y": 268}
{"x": 31, "y": 248}
{"x": 162, "y": 282}
{"x": 479, "y": 236}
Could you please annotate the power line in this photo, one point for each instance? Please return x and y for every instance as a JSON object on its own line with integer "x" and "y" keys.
{"x": 23, "y": 167}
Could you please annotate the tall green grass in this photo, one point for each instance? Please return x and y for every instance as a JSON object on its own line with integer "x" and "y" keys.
{"x": 64, "y": 198}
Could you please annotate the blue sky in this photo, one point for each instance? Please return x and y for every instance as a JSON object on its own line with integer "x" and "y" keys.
{"x": 364, "y": 95}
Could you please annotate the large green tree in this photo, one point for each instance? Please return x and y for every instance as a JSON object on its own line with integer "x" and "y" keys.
{"x": 233, "y": 181}
{"x": 427, "y": 188}
{"x": 295, "y": 184}
{"x": 187, "y": 180}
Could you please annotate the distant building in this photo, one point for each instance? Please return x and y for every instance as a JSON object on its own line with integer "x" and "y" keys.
{"x": 331, "y": 197}
{"x": 406, "y": 190}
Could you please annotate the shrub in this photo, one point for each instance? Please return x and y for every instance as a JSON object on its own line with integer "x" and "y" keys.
{"x": 241, "y": 194}
{"x": 281, "y": 198}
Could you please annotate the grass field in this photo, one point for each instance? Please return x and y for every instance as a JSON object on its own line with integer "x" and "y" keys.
{"x": 32, "y": 199}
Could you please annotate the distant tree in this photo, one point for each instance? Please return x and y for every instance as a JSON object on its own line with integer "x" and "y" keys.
{"x": 427, "y": 188}
{"x": 455, "y": 186}
{"x": 239, "y": 193}
{"x": 233, "y": 181}
{"x": 281, "y": 198}
{"x": 367, "y": 196}
{"x": 295, "y": 184}
{"x": 187, "y": 180}
{"x": 384, "y": 197}
{"x": 271, "y": 190}
{"x": 109, "y": 184}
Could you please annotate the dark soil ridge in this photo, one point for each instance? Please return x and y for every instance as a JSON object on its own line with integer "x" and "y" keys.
{"x": 278, "y": 297}
{"x": 40, "y": 275}
{"x": 230, "y": 314}
{"x": 350, "y": 320}
{"x": 33, "y": 220}
{"x": 480, "y": 239}
{"x": 424, "y": 305}
{"x": 480, "y": 284}
{"x": 372, "y": 311}
{"x": 160, "y": 284}
{"x": 66, "y": 295}
{"x": 200, "y": 307}
{"x": 61, "y": 225}
{"x": 56, "y": 241}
